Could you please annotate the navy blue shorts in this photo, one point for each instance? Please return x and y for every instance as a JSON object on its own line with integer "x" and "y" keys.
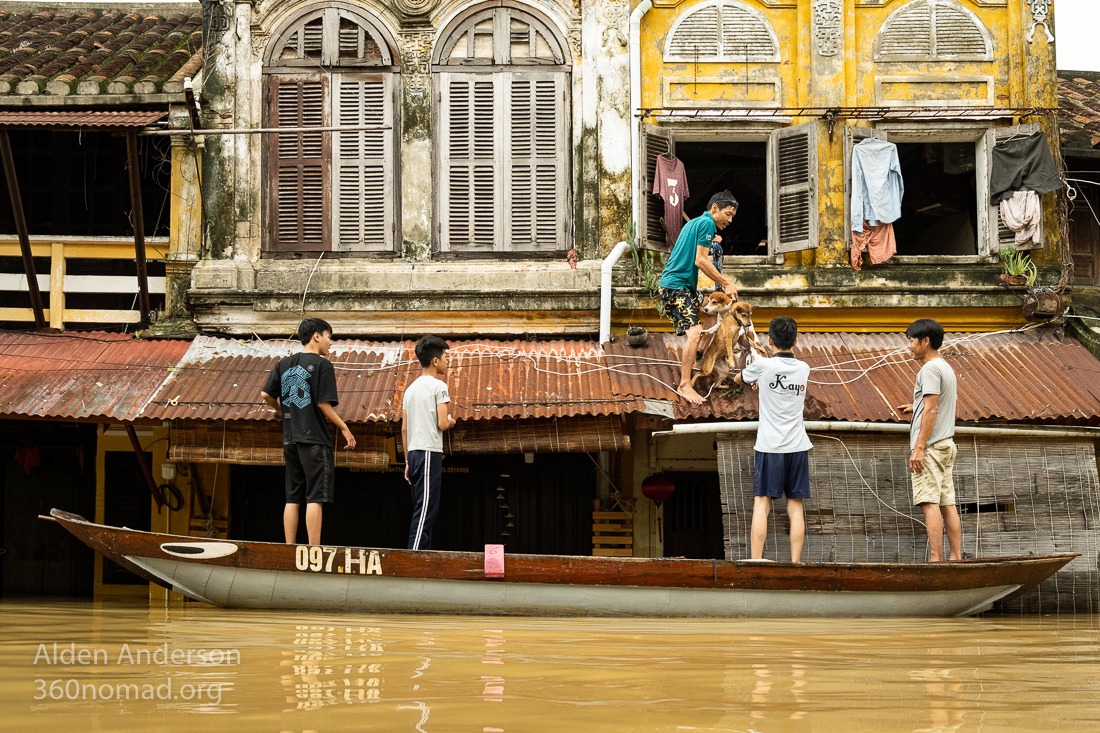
{"x": 782, "y": 474}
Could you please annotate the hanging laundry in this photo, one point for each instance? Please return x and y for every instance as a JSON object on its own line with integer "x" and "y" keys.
{"x": 1023, "y": 213}
{"x": 878, "y": 241}
{"x": 28, "y": 457}
{"x": 670, "y": 183}
{"x": 877, "y": 186}
{"x": 1022, "y": 162}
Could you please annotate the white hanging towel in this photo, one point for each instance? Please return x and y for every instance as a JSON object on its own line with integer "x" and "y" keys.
{"x": 1022, "y": 212}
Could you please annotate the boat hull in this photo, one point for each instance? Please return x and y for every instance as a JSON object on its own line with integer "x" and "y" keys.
{"x": 274, "y": 589}
{"x": 238, "y": 574}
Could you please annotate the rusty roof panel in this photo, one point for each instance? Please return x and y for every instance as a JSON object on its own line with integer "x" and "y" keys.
{"x": 221, "y": 379}
{"x": 79, "y": 118}
{"x": 88, "y": 376}
{"x": 525, "y": 379}
{"x": 1079, "y": 108}
{"x": 1019, "y": 377}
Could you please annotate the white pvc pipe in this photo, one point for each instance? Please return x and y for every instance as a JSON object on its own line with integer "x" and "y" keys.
{"x": 837, "y": 426}
{"x": 636, "y": 164}
{"x": 605, "y": 289}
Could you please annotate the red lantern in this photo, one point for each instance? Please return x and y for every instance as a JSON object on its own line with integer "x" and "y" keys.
{"x": 658, "y": 488}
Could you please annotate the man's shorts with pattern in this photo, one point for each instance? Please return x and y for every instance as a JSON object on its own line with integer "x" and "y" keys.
{"x": 935, "y": 484}
{"x": 681, "y": 307}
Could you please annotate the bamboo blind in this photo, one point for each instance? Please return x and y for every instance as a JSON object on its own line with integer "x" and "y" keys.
{"x": 1016, "y": 496}
{"x": 546, "y": 435}
{"x": 261, "y": 443}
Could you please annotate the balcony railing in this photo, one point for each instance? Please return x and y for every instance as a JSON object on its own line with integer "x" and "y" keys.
{"x": 68, "y": 279}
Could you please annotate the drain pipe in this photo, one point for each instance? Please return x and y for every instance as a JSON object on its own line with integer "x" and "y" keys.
{"x": 636, "y": 163}
{"x": 605, "y": 289}
{"x": 840, "y": 426}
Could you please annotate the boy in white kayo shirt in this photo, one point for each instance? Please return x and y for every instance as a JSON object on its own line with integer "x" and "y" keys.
{"x": 782, "y": 446}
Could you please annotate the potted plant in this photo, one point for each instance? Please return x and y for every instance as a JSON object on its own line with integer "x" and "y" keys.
{"x": 1018, "y": 267}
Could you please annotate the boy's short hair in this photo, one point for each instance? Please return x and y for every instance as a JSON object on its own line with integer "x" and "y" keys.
{"x": 724, "y": 199}
{"x": 310, "y": 326}
{"x": 428, "y": 348}
{"x": 926, "y": 328}
{"x": 783, "y": 331}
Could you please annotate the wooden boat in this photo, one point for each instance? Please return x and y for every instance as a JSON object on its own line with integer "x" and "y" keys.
{"x": 236, "y": 574}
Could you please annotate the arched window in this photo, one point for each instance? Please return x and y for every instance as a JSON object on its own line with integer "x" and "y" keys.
{"x": 933, "y": 30}
{"x": 503, "y": 158}
{"x": 724, "y": 30}
{"x": 334, "y": 189}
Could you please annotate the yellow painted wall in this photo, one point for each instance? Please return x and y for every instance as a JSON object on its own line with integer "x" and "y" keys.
{"x": 1022, "y": 74}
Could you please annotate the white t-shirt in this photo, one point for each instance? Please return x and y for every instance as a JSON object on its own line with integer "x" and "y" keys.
{"x": 420, "y": 404}
{"x": 781, "y": 383}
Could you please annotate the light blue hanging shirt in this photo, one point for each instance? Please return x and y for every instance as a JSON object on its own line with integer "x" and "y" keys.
{"x": 877, "y": 187}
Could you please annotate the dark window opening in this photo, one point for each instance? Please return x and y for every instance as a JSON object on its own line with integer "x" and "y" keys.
{"x": 741, "y": 167}
{"x": 939, "y": 212}
{"x": 693, "y": 517}
{"x": 77, "y": 184}
{"x": 125, "y": 504}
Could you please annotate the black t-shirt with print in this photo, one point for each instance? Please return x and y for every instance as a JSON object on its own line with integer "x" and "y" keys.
{"x": 301, "y": 381}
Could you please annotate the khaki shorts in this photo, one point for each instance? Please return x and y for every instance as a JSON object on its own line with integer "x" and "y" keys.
{"x": 935, "y": 484}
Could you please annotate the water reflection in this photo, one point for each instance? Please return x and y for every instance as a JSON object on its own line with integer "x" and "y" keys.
{"x": 324, "y": 673}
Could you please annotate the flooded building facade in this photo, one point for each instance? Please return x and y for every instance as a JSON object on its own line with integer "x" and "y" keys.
{"x": 470, "y": 169}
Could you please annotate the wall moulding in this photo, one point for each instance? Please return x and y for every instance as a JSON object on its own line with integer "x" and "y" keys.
{"x": 884, "y": 3}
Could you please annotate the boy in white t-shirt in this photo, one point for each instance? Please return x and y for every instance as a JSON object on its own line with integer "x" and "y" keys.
{"x": 425, "y": 414}
{"x": 782, "y": 446}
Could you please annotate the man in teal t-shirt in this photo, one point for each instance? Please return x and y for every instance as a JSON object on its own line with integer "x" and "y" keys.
{"x": 679, "y": 284}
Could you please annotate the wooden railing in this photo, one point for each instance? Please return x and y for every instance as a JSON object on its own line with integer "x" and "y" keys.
{"x": 55, "y": 283}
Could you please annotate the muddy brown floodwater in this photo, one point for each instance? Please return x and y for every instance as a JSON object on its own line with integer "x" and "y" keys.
{"x": 71, "y": 666}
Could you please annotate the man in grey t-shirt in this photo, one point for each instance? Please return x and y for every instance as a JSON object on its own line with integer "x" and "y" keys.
{"x": 932, "y": 449}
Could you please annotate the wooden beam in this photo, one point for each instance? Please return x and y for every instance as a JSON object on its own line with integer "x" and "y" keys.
{"x": 21, "y": 230}
{"x": 137, "y": 218}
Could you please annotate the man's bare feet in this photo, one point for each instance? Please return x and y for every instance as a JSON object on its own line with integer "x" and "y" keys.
{"x": 689, "y": 394}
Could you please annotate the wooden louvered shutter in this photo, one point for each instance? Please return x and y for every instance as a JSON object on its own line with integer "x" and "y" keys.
{"x": 651, "y": 232}
{"x": 536, "y": 163}
{"x": 363, "y": 205}
{"x": 792, "y": 189}
{"x": 697, "y": 36}
{"x": 853, "y": 135}
{"x": 299, "y": 167}
{"x": 470, "y": 216}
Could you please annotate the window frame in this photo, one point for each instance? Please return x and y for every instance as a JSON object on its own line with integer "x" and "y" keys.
{"x": 276, "y": 70}
{"x": 444, "y": 73}
{"x": 984, "y": 137}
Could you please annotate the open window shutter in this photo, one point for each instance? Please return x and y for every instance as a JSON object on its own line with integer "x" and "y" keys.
{"x": 363, "y": 166}
{"x": 536, "y": 163}
{"x": 651, "y": 232}
{"x": 1004, "y": 236}
{"x": 853, "y": 135}
{"x": 299, "y": 166}
{"x": 792, "y": 189}
{"x": 469, "y": 163}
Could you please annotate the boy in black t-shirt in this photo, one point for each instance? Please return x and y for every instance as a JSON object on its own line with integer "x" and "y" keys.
{"x": 306, "y": 387}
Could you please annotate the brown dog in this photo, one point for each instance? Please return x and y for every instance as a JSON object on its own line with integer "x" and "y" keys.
{"x": 735, "y": 341}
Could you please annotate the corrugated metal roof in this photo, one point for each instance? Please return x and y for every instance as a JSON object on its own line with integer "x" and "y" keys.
{"x": 221, "y": 379}
{"x": 1079, "y": 108}
{"x": 88, "y": 376}
{"x": 1017, "y": 377}
{"x": 525, "y": 379}
{"x": 79, "y": 118}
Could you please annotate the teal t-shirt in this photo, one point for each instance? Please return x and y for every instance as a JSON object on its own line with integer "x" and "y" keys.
{"x": 680, "y": 272}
